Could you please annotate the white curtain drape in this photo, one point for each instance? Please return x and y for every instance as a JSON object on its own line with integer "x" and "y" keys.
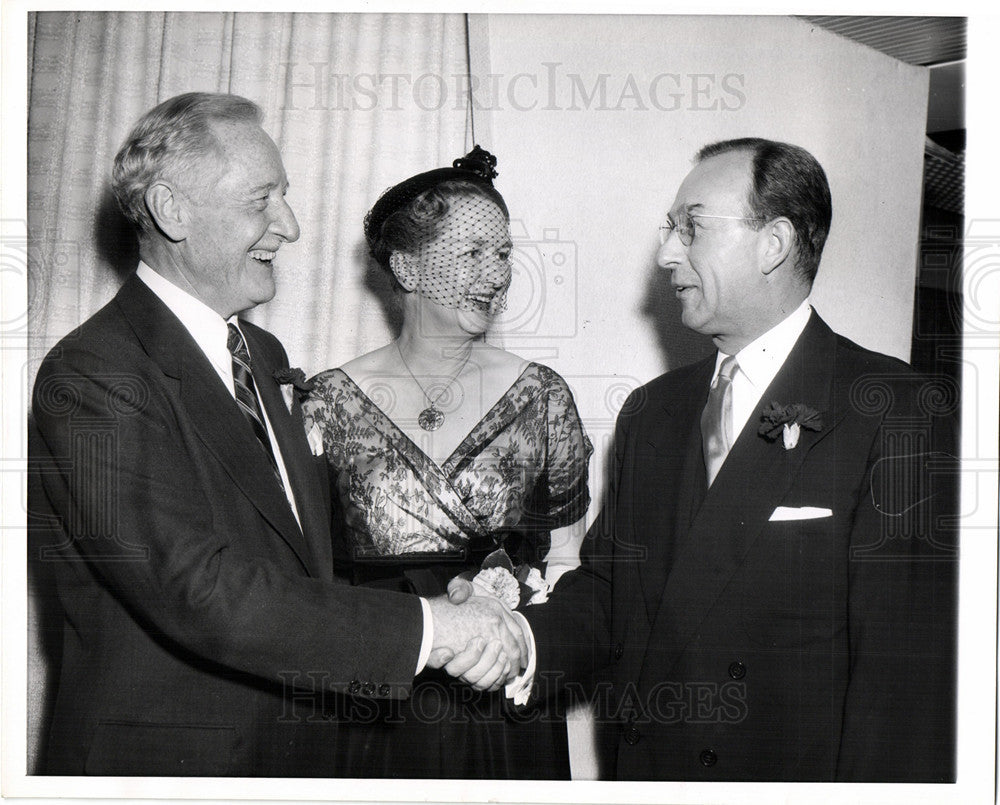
{"x": 355, "y": 103}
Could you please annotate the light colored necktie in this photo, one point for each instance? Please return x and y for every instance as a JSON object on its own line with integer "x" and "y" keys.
{"x": 717, "y": 419}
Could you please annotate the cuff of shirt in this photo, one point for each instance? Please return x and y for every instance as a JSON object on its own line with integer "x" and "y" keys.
{"x": 427, "y": 642}
{"x": 519, "y": 688}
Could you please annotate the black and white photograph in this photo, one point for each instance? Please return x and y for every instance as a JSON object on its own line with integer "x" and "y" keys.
{"x": 501, "y": 404}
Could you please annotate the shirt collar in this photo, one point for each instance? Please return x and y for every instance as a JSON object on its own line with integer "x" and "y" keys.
{"x": 209, "y": 330}
{"x": 760, "y": 360}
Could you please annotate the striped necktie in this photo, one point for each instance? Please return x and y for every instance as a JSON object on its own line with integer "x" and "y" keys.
{"x": 717, "y": 419}
{"x": 246, "y": 393}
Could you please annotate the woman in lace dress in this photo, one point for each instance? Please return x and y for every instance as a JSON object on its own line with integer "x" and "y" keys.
{"x": 444, "y": 449}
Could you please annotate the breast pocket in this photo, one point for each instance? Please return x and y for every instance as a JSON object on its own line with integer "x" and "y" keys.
{"x": 792, "y": 588}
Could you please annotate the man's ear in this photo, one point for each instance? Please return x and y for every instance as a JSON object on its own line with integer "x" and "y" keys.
{"x": 777, "y": 245}
{"x": 406, "y": 270}
{"x": 166, "y": 209}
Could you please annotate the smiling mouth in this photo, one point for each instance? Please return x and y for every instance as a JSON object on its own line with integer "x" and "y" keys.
{"x": 262, "y": 255}
{"x": 481, "y": 302}
{"x": 490, "y": 302}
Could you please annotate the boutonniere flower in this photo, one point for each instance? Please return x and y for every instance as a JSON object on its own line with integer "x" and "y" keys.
{"x": 499, "y": 578}
{"x": 787, "y": 422}
{"x": 292, "y": 380}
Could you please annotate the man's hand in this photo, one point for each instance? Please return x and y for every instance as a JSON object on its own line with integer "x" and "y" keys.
{"x": 459, "y": 590}
{"x": 483, "y": 665}
{"x": 478, "y": 641}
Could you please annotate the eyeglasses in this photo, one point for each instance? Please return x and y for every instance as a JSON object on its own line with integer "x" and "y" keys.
{"x": 684, "y": 225}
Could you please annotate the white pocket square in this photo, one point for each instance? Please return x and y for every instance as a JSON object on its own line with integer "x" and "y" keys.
{"x": 803, "y": 513}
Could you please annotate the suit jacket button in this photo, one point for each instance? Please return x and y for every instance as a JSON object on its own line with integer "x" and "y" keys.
{"x": 708, "y": 757}
{"x": 619, "y": 650}
{"x": 369, "y": 688}
{"x": 632, "y": 736}
{"x": 383, "y": 690}
{"x": 737, "y": 670}
{"x": 354, "y": 686}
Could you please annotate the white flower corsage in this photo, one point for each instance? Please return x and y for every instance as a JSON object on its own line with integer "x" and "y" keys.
{"x": 787, "y": 422}
{"x": 293, "y": 382}
{"x": 539, "y": 587}
{"x": 513, "y": 586}
{"x": 499, "y": 583}
{"x": 288, "y": 395}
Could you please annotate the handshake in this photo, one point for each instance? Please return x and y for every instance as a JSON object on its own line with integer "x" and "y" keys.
{"x": 476, "y": 638}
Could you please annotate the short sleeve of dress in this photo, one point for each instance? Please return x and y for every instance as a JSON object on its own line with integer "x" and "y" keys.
{"x": 322, "y": 409}
{"x": 567, "y": 458}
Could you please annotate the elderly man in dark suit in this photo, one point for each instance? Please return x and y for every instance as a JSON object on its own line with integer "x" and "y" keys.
{"x": 204, "y": 630}
{"x": 771, "y": 587}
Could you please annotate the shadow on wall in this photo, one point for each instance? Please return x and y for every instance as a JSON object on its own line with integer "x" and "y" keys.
{"x": 117, "y": 244}
{"x": 381, "y": 285}
{"x": 678, "y": 345}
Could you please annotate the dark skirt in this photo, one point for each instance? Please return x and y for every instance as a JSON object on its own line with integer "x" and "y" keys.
{"x": 446, "y": 729}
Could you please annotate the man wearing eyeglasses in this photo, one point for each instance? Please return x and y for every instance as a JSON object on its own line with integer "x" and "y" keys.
{"x": 770, "y": 590}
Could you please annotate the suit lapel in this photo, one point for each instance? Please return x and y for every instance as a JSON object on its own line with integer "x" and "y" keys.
{"x": 212, "y": 410}
{"x": 669, "y": 478}
{"x": 752, "y": 481}
{"x": 312, "y": 497}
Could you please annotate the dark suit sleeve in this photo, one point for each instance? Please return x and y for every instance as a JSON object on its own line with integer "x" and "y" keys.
{"x": 191, "y": 560}
{"x": 899, "y": 713}
{"x": 573, "y": 630}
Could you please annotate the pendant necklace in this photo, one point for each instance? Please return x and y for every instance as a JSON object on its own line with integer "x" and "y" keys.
{"x": 431, "y": 418}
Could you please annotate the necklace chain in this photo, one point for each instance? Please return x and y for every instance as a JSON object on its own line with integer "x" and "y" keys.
{"x": 431, "y": 418}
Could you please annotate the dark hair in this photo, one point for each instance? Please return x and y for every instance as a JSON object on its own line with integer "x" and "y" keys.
{"x": 407, "y": 214}
{"x": 416, "y": 222}
{"x": 786, "y": 181}
{"x": 169, "y": 140}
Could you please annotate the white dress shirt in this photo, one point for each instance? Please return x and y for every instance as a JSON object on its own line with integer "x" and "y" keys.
{"x": 759, "y": 362}
{"x": 211, "y": 333}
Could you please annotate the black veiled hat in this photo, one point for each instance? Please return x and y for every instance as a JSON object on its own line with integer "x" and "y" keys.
{"x": 478, "y": 166}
